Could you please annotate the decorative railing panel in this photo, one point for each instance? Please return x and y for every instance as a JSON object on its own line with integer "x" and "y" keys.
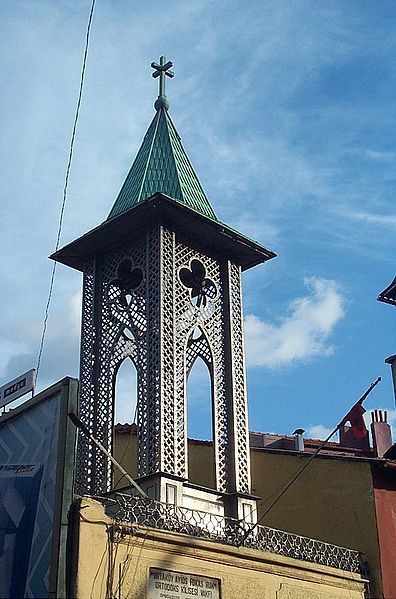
{"x": 129, "y": 508}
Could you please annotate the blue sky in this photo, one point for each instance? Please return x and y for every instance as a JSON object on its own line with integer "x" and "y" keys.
{"x": 287, "y": 112}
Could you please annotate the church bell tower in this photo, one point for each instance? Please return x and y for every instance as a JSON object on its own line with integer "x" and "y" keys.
{"x": 162, "y": 287}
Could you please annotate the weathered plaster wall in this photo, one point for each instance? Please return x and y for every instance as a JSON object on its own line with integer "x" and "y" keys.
{"x": 333, "y": 500}
{"x": 385, "y": 505}
{"x": 125, "y": 453}
{"x": 105, "y": 554}
{"x": 200, "y": 463}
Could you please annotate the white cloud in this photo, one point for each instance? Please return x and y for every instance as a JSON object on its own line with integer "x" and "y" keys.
{"x": 125, "y": 392}
{"x": 375, "y": 155}
{"x": 7, "y": 348}
{"x": 383, "y": 220}
{"x": 318, "y": 431}
{"x": 300, "y": 335}
{"x": 276, "y": 169}
{"x": 75, "y": 311}
{"x": 20, "y": 342}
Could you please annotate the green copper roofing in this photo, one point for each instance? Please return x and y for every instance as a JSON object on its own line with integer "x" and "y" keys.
{"x": 161, "y": 164}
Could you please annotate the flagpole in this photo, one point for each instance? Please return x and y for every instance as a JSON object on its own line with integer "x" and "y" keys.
{"x": 79, "y": 424}
{"x": 307, "y": 463}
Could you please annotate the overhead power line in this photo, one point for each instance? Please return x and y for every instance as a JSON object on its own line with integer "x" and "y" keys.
{"x": 77, "y": 113}
{"x": 308, "y": 462}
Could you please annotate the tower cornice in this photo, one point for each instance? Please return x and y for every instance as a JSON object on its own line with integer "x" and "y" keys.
{"x": 217, "y": 238}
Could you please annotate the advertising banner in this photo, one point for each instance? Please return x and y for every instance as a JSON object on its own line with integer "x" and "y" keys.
{"x": 36, "y": 477}
{"x": 17, "y": 387}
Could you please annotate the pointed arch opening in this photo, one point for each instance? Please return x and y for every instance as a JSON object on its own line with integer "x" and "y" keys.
{"x": 125, "y": 429}
{"x": 200, "y": 424}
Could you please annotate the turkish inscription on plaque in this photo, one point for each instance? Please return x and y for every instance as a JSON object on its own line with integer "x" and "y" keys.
{"x": 166, "y": 584}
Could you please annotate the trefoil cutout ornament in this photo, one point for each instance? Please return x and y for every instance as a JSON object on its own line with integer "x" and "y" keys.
{"x": 123, "y": 297}
{"x": 203, "y": 293}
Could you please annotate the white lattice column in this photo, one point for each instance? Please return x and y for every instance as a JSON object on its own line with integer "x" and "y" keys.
{"x": 165, "y": 419}
{"x": 158, "y": 425}
{"x": 170, "y": 449}
{"x": 149, "y": 412}
{"x": 83, "y": 479}
{"x": 114, "y": 328}
{"x": 240, "y": 503}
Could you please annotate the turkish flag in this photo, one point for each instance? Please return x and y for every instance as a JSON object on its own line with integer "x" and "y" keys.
{"x": 355, "y": 417}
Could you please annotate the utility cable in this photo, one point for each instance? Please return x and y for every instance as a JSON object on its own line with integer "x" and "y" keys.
{"x": 78, "y": 423}
{"x": 307, "y": 463}
{"x": 77, "y": 113}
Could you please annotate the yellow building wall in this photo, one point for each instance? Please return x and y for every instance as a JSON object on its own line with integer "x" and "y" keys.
{"x": 124, "y": 451}
{"x": 201, "y": 463}
{"x": 200, "y": 460}
{"x": 332, "y": 501}
{"x": 113, "y": 560}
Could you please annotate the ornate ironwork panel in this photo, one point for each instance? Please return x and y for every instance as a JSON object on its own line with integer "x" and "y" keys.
{"x": 169, "y": 431}
{"x": 149, "y": 406}
{"x": 124, "y": 508}
{"x": 86, "y": 405}
{"x": 198, "y": 347}
{"x": 114, "y": 327}
{"x": 239, "y": 408}
{"x": 207, "y": 310}
{"x": 199, "y": 332}
{"x": 162, "y": 304}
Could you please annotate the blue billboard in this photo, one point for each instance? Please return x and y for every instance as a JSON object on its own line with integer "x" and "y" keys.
{"x": 37, "y": 446}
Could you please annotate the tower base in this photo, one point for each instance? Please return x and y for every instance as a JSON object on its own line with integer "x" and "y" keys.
{"x": 174, "y": 490}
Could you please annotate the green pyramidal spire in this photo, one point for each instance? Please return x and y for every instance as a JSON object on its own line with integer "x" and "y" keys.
{"x": 161, "y": 164}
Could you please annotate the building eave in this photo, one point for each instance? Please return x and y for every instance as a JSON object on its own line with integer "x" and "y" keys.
{"x": 324, "y": 456}
{"x": 388, "y": 295}
{"x": 215, "y": 237}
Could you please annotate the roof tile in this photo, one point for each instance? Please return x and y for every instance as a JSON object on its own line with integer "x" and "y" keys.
{"x": 162, "y": 165}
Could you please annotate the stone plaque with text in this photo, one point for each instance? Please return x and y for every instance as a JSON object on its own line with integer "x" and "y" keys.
{"x": 166, "y": 584}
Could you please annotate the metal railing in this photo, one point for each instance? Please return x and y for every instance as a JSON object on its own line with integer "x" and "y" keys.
{"x": 129, "y": 508}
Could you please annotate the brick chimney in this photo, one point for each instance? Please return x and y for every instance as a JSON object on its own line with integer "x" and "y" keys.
{"x": 298, "y": 439}
{"x": 381, "y": 432}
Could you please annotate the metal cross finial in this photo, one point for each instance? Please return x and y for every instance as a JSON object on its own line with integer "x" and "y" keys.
{"x": 162, "y": 70}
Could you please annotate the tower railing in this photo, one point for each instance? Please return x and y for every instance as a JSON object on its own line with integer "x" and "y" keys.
{"x": 128, "y": 508}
